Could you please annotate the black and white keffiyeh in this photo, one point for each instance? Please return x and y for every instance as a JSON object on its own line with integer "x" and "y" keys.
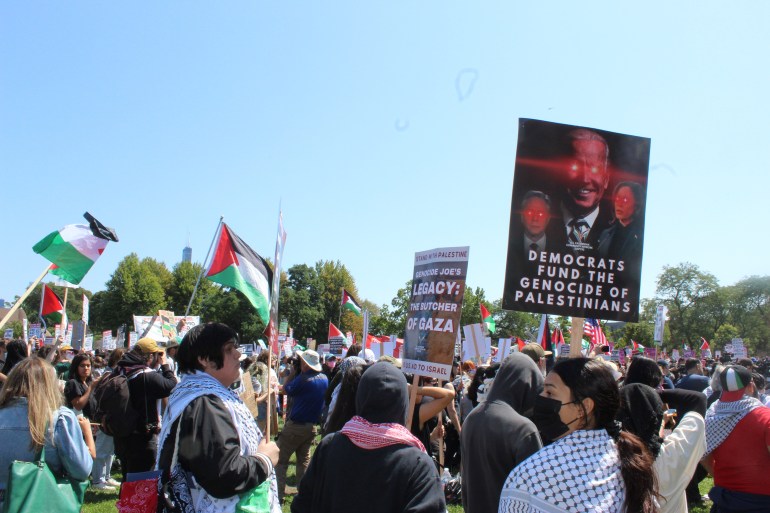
{"x": 190, "y": 388}
{"x": 580, "y": 472}
{"x": 722, "y": 417}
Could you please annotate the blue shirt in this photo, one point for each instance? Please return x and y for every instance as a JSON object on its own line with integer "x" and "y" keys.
{"x": 307, "y": 391}
{"x": 66, "y": 453}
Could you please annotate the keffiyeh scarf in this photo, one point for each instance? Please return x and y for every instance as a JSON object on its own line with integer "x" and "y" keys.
{"x": 190, "y": 388}
{"x": 721, "y": 419}
{"x": 370, "y": 436}
{"x": 580, "y": 472}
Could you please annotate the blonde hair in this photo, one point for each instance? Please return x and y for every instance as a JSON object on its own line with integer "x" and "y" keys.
{"x": 34, "y": 379}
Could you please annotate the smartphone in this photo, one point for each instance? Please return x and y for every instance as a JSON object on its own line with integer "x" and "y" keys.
{"x": 670, "y": 411}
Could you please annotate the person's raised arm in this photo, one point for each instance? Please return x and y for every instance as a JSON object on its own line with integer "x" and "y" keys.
{"x": 441, "y": 398}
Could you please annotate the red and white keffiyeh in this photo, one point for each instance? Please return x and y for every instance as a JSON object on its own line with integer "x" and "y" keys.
{"x": 370, "y": 436}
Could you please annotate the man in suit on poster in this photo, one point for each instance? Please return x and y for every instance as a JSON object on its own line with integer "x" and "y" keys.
{"x": 587, "y": 179}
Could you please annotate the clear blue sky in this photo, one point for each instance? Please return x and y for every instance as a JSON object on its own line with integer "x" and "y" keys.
{"x": 160, "y": 117}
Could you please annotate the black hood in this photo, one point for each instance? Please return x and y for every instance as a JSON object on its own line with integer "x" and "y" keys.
{"x": 641, "y": 412}
{"x": 382, "y": 395}
{"x": 517, "y": 383}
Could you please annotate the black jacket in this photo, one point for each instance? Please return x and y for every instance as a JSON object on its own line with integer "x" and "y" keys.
{"x": 146, "y": 387}
{"x": 343, "y": 477}
{"x": 496, "y": 436}
{"x": 210, "y": 449}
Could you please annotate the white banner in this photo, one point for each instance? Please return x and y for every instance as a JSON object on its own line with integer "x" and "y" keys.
{"x": 142, "y": 322}
{"x": 661, "y": 315}
{"x": 86, "y": 308}
{"x": 476, "y": 346}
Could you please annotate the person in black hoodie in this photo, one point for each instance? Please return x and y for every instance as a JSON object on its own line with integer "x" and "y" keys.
{"x": 146, "y": 387}
{"x": 496, "y": 436}
{"x": 373, "y": 463}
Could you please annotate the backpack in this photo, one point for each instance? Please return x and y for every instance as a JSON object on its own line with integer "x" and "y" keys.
{"x": 114, "y": 412}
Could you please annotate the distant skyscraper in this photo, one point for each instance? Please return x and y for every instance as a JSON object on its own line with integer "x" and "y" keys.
{"x": 187, "y": 253}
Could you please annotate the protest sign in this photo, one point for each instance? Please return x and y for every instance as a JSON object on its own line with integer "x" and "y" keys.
{"x": 24, "y": 329}
{"x": 336, "y": 345}
{"x": 566, "y": 253}
{"x": 167, "y": 324}
{"x": 88, "y": 343}
{"x": 661, "y": 316}
{"x": 739, "y": 349}
{"x": 675, "y": 355}
{"x": 503, "y": 350}
{"x": 615, "y": 355}
{"x": 248, "y": 396}
{"x": 68, "y": 334}
{"x": 152, "y": 324}
{"x": 689, "y": 353}
{"x": 107, "y": 341}
{"x": 247, "y": 349}
{"x": 435, "y": 306}
{"x": 133, "y": 338}
{"x": 34, "y": 330}
{"x": 476, "y": 346}
{"x": 49, "y": 341}
{"x": 57, "y": 331}
{"x": 323, "y": 349}
{"x": 651, "y": 352}
{"x": 310, "y": 343}
{"x": 8, "y": 335}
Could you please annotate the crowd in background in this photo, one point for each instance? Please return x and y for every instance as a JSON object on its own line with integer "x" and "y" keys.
{"x": 526, "y": 434}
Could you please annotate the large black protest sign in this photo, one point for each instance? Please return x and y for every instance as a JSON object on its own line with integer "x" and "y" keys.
{"x": 577, "y": 222}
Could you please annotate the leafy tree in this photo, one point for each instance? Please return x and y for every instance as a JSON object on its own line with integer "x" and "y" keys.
{"x": 511, "y": 323}
{"x": 135, "y": 288}
{"x": 334, "y": 276}
{"x": 301, "y": 302}
{"x": 724, "y": 335}
{"x": 684, "y": 289}
{"x": 392, "y": 319}
{"x": 183, "y": 278}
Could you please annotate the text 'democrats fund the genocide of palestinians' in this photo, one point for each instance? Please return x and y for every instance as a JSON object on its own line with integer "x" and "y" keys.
{"x": 435, "y": 306}
{"x": 577, "y": 222}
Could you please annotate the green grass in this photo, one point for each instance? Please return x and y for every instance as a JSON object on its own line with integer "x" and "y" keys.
{"x": 104, "y": 502}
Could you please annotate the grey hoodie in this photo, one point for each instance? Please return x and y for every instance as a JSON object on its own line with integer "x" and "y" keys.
{"x": 496, "y": 436}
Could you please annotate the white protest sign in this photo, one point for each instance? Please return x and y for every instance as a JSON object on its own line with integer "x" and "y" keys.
{"x": 660, "y": 322}
{"x": 24, "y": 329}
{"x": 88, "y": 343}
{"x": 8, "y": 334}
{"x": 503, "y": 350}
{"x": 476, "y": 346}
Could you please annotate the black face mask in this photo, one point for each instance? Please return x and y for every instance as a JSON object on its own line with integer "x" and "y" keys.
{"x": 546, "y": 418}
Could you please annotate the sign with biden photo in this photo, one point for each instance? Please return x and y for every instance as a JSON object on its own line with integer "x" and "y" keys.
{"x": 577, "y": 222}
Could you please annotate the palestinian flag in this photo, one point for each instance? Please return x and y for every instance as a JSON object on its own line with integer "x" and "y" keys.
{"x": 50, "y": 305}
{"x": 705, "y": 345}
{"x": 487, "y": 318}
{"x": 335, "y": 332}
{"x": 239, "y": 267}
{"x": 75, "y": 248}
{"x": 637, "y": 346}
{"x": 349, "y": 303}
{"x": 520, "y": 343}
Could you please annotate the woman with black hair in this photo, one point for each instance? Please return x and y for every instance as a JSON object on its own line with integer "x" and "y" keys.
{"x": 677, "y": 454}
{"x": 345, "y": 406}
{"x": 591, "y": 465}
{"x": 78, "y": 396}
{"x": 16, "y": 351}
{"x": 210, "y": 450}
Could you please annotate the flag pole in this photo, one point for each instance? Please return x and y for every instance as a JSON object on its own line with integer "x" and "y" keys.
{"x": 203, "y": 270}
{"x": 24, "y": 296}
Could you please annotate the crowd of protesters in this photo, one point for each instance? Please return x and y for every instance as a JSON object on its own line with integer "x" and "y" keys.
{"x": 528, "y": 434}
